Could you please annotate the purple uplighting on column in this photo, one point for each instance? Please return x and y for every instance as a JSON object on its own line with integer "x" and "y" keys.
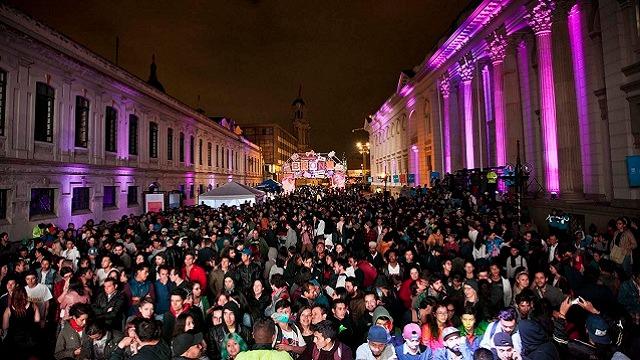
{"x": 488, "y": 110}
{"x": 445, "y": 90}
{"x": 579, "y": 74}
{"x": 466, "y": 73}
{"x": 539, "y": 18}
{"x": 497, "y": 44}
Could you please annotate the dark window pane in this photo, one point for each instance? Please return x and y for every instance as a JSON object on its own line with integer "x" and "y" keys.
{"x": 170, "y": 144}
{"x": 45, "y": 98}
{"x": 109, "y": 198}
{"x": 4, "y": 194}
{"x": 110, "y": 129}
{"x": 42, "y": 202}
{"x": 3, "y": 101}
{"x": 181, "y": 147}
{"x": 209, "y": 154}
{"x": 200, "y": 152}
{"x": 192, "y": 150}
{"x": 82, "y": 122}
{"x": 132, "y": 195}
{"x": 80, "y": 200}
{"x": 133, "y": 135}
{"x": 153, "y": 140}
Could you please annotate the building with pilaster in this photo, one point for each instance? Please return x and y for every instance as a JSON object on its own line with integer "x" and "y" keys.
{"x": 560, "y": 76}
{"x": 81, "y": 138}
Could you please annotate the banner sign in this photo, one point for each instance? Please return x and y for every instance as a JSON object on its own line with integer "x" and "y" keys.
{"x": 312, "y": 165}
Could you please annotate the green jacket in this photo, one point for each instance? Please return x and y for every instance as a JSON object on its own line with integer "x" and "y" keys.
{"x": 264, "y": 355}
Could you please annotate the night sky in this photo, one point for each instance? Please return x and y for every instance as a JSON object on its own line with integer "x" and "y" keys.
{"x": 246, "y": 59}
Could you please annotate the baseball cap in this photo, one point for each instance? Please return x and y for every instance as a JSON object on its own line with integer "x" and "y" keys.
{"x": 502, "y": 339}
{"x": 184, "y": 341}
{"x": 378, "y": 334}
{"x": 598, "y": 330}
{"x": 411, "y": 331}
{"x": 93, "y": 251}
{"x": 247, "y": 251}
{"x": 449, "y": 331}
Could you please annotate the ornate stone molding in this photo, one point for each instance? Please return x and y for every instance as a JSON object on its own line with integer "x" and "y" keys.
{"x": 445, "y": 85}
{"x": 467, "y": 67}
{"x": 497, "y": 45}
{"x": 539, "y": 16}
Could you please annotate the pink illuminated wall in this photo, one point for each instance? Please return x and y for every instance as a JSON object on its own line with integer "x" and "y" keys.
{"x": 488, "y": 111}
{"x": 497, "y": 44}
{"x": 579, "y": 74}
{"x": 539, "y": 18}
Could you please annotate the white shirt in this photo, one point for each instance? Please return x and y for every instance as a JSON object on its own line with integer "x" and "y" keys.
{"x": 552, "y": 252}
{"x": 39, "y": 295}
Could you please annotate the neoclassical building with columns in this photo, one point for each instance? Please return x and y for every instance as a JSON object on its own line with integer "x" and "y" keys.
{"x": 562, "y": 77}
{"x": 81, "y": 138}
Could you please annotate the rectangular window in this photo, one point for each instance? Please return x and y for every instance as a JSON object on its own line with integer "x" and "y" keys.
{"x": 3, "y": 101}
{"x": 132, "y": 196}
{"x": 222, "y": 157}
{"x": 200, "y": 189}
{"x": 42, "y": 202}
{"x": 153, "y": 140}
{"x": 191, "y": 191}
{"x": 181, "y": 147}
{"x": 111, "y": 129}
{"x": 82, "y": 122}
{"x": 109, "y": 197}
{"x": 4, "y": 195}
{"x": 45, "y": 98}
{"x": 232, "y": 160}
{"x": 133, "y": 135}
{"x": 170, "y": 144}
{"x": 192, "y": 150}
{"x": 200, "y": 152}
{"x": 81, "y": 199}
{"x": 209, "y": 154}
{"x": 217, "y": 156}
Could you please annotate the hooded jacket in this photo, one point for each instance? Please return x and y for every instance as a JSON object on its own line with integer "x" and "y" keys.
{"x": 535, "y": 342}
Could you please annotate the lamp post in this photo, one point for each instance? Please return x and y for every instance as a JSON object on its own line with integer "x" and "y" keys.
{"x": 363, "y": 149}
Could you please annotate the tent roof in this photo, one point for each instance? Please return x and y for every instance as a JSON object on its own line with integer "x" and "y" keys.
{"x": 254, "y": 191}
{"x": 231, "y": 189}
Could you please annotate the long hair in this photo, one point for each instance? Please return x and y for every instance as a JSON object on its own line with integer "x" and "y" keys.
{"x": 235, "y": 337}
{"x": 19, "y": 301}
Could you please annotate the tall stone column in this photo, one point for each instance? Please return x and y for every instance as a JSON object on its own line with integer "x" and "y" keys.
{"x": 539, "y": 18}
{"x": 445, "y": 91}
{"x": 569, "y": 156}
{"x": 630, "y": 34}
{"x": 467, "y": 69}
{"x": 497, "y": 43}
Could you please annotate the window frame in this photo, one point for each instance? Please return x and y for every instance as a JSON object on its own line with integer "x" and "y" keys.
{"x": 42, "y": 214}
{"x": 114, "y": 205}
{"x": 111, "y": 129}
{"x": 181, "y": 147}
{"x": 170, "y": 144}
{"x": 134, "y": 129}
{"x": 130, "y": 200}
{"x": 74, "y": 202}
{"x": 82, "y": 114}
{"x": 4, "y": 79}
{"x": 46, "y": 93}
{"x": 153, "y": 140}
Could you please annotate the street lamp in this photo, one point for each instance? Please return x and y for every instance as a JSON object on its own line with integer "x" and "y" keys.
{"x": 363, "y": 149}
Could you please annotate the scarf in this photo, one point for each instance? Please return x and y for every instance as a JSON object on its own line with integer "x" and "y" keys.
{"x": 75, "y": 325}
{"x": 185, "y": 308}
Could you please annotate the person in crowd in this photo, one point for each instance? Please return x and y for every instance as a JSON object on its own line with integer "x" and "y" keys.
{"x": 139, "y": 287}
{"x": 232, "y": 345}
{"x": 192, "y": 272}
{"x": 264, "y": 335}
{"x": 147, "y": 340}
{"x": 544, "y": 290}
{"x": 73, "y": 337}
{"x": 102, "y": 342}
{"x": 410, "y": 349}
{"x": 506, "y": 323}
{"x": 326, "y": 346}
{"x": 432, "y": 331}
{"x": 229, "y": 325}
{"x": 20, "y": 326}
{"x": 289, "y": 337}
{"x": 471, "y": 329}
{"x": 455, "y": 347}
{"x": 504, "y": 347}
{"x": 109, "y": 305}
{"x": 378, "y": 345}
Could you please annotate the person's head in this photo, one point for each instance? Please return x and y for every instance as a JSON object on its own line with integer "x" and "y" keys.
{"x": 377, "y": 339}
{"x": 45, "y": 264}
{"x": 96, "y": 330}
{"x": 142, "y": 272}
{"x": 411, "y": 333}
{"x": 105, "y": 263}
{"x": 31, "y": 279}
{"x": 189, "y": 258}
{"x": 216, "y": 315}
{"x": 324, "y": 334}
{"x": 196, "y": 290}
{"x": 436, "y": 283}
{"x": 503, "y": 345}
{"x": 233, "y": 344}
{"x": 507, "y": 318}
{"x": 224, "y": 262}
{"x": 447, "y": 265}
{"x": 414, "y": 273}
{"x": 305, "y": 316}
{"x": 229, "y": 283}
{"x": 483, "y": 354}
{"x": 229, "y": 314}
{"x": 163, "y": 274}
{"x": 451, "y": 338}
{"x": 110, "y": 286}
{"x": 188, "y": 345}
{"x": 318, "y": 314}
{"x": 145, "y": 307}
{"x": 184, "y": 323}
{"x": 494, "y": 269}
{"x": 598, "y": 330}
{"x": 524, "y": 302}
{"x": 258, "y": 287}
{"x": 441, "y": 313}
{"x": 178, "y": 296}
{"x": 174, "y": 275}
{"x": 264, "y": 331}
{"x": 522, "y": 280}
{"x": 80, "y": 313}
{"x": 371, "y": 301}
{"x": 310, "y": 291}
{"x": 621, "y": 224}
{"x": 552, "y": 239}
{"x": 540, "y": 279}
{"x": 468, "y": 319}
{"x": 339, "y": 309}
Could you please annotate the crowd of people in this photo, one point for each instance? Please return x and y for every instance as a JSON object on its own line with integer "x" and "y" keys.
{"x": 322, "y": 274}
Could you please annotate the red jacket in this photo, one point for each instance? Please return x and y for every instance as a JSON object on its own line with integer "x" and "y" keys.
{"x": 197, "y": 274}
{"x": 369, "y": 271}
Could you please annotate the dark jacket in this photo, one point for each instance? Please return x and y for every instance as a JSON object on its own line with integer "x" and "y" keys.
{"x": 535, "y": 342}
{"x": 215, "y": 337}
{"x": 111, "y": 310}
{"x": 68, "y": 341}
{"x": 150, "y": 352}
{"x": 113, "y": 338}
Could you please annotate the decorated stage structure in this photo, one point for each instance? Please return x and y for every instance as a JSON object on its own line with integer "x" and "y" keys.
{"x": 313, "y": 168}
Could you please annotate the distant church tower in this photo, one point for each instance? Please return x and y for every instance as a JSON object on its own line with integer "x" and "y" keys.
{"x": 301, "y": 126}
{"x": 153, "y": 75}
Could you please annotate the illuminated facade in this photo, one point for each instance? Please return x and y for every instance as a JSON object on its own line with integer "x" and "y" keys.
{"x": 277, "y": 145}
{"x": 560, "y": 76}
{"x": 81, "y": 138}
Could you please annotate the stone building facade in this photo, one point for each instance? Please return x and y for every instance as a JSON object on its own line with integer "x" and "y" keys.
{"x": 81, "y": 138}
{"x": 560, "y": 76}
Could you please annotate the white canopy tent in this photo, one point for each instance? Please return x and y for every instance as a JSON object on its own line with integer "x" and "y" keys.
{"x": 231, "y": 193}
